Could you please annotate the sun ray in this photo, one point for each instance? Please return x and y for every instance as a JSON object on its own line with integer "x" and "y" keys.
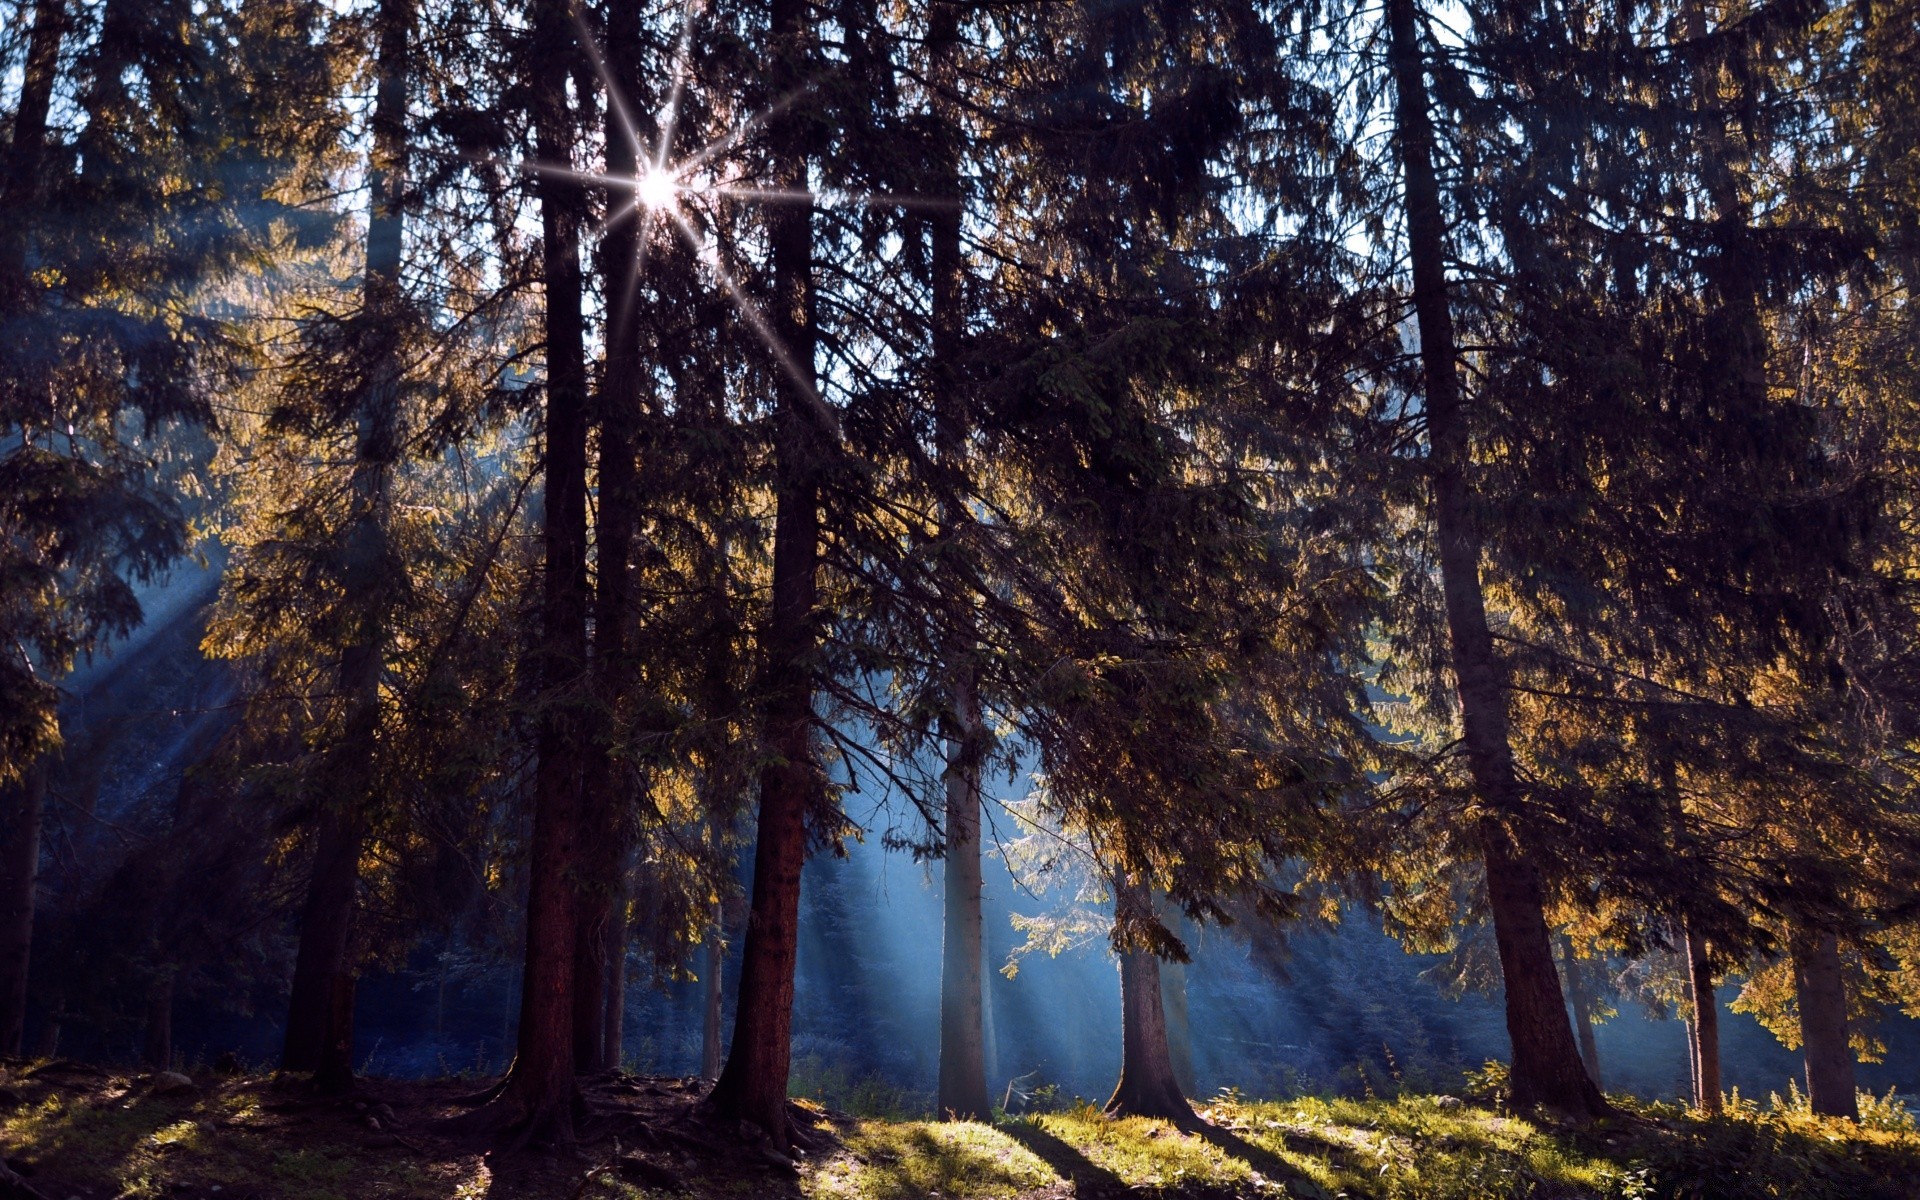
{"x": 733, "y": 136}
{"x": 617, "y": 98}
{"x": 758, "y": 322}
{"x": 670, "y": 113}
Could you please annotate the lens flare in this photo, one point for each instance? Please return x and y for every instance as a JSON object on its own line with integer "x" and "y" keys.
{"x": 657, "y": 189}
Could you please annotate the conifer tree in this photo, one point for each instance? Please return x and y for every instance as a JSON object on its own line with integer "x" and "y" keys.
{"x": 753, "y": 1084}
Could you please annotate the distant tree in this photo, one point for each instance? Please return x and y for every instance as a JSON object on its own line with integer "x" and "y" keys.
{"x": 190, "y": 124}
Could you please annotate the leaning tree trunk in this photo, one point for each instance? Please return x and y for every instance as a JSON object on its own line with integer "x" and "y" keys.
{"x": 753, "y": 1084}
{"x": 1546, "y": 1065}
{"x": 319, "y": 1036}
{"x": 1706, "y": 1025}
{"x": 604, "y": 788}
{"x": 1822, "y": 992}
{"x": 21, "y": 807}
{"x": 1149, "y": 1086}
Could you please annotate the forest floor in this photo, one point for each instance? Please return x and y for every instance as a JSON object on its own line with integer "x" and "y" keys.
{"x": 76, "y": 1132}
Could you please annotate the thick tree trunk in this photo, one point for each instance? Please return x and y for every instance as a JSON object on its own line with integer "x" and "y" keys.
{"x": 1706, "y": 1025}
{"x": 1148, "y": 1086}
{"x": 1822, "y": 991}
{"x": 21, "y": 807}
{"x": 1546, "y": 1065}
{"x": 753, "y": 1084}
{"x": 319, "y": 1035}
{"x": 157, "y": 1050}
{"x": 605, "y": 788}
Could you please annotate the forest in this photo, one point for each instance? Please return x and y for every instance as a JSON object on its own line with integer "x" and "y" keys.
{"x": 653, "y": 597}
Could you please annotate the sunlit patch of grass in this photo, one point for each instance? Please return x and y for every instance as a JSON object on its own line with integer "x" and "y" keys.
{"x": 893, "y": 1161}
{"x": 181, "y": 1135}
{"x": 1144, "y": 1153}
{"x": 99, "y": 1143}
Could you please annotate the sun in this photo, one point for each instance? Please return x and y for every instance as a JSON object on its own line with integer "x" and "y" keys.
{"x": 657, "y": 189}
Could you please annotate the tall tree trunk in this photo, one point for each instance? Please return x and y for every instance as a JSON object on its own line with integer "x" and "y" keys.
{"x": 157, "y": 1052}
{"x": 963, "y": 1066}
{"x": 319, "y": 1035}
{"x": 605, "y": 786}
{"x": 1822, "y": 993}
{"x": 963, "y": 1050}
{"x": 23, "y": 797}
{"x": 1546, "y": 1065}
{"x": 1148, "y": 1086}
{"x": 1706, "y": 1025}
{"x": 20, "y": 189}
{"x": 753, "y": 1084}
{"x": 536, "y": 1101}
{"x": 21, "y": 806}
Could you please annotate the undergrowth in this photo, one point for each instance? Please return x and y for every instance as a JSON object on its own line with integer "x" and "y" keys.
{"x": 110, "y": 1138}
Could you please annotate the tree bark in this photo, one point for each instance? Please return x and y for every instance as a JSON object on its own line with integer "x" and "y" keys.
{"x": 1706, "y": 1024}
{"x": 1546, "y": 1065}
{"x": 963, "y": 1049}
{"x": 1822, "y": 992}
{"x": 1148, "y": 1086}
{"x": 753, "y": 1084}
{"x": 963, "y": 1071}
{"x": 157, "y": 1051}
{"x": 606, "y": 780}
{"x": 21, "y": 806}
{"x": 536, "y": 1101}
{"x": 319, "y": 1035}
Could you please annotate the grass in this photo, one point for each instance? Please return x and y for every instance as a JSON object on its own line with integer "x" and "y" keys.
{"x": 100, "y": 1136}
